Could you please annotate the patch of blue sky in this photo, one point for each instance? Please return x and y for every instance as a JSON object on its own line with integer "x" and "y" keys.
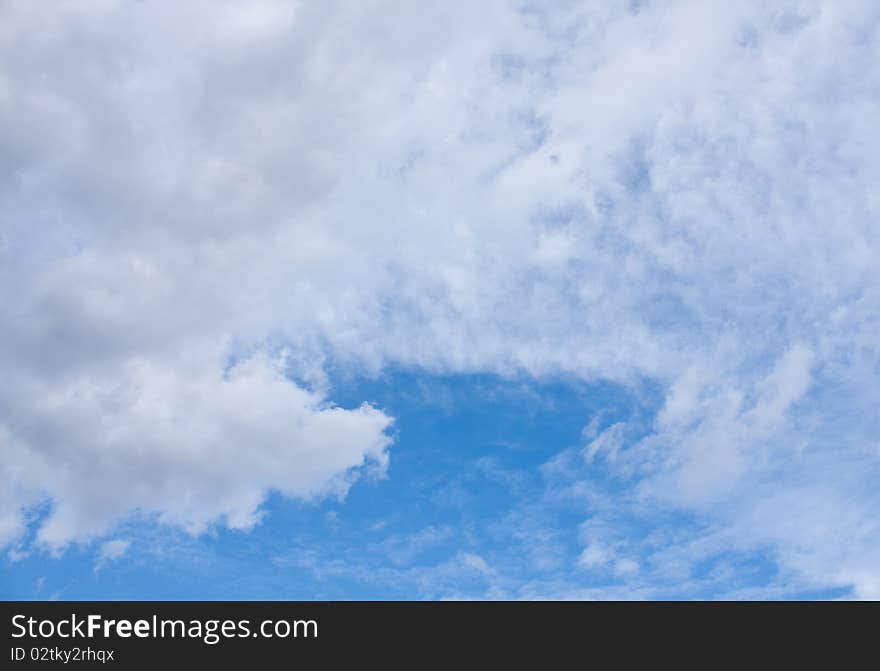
{"x": 491, "y": 493}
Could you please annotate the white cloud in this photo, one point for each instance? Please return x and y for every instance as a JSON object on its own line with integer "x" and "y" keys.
{"x": 679, "y": 193}
{"x": 111, "y": 551}
{"x": 475, "y": 562}
{"x": 182, "y": 439}
{"x": 608, "y": 442}
{"x": 595, "y": 555}
{"x": 403, "y": 550}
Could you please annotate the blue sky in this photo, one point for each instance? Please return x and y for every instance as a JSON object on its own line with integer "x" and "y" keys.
{"x": 470, "y": 507}
{"x": 511, "y": 299}
{"x": 465, "y": 471}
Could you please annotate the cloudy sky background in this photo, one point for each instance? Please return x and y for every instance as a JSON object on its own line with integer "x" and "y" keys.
{"x": 439, "y": 299}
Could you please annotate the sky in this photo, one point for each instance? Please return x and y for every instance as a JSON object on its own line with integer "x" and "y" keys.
{"x": 439, "y": 300}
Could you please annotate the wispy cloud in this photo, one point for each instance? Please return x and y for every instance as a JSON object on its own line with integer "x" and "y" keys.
{"x": 111, "y": 551}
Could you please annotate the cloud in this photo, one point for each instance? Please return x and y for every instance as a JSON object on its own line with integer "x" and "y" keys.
{"x": 595, "y": 555}
{"x": 669, "y": 192}
{"x": 474, "y": 562}
{"x": 404, "y": 550}
{"x": 182, "y": 439}
{"x": 111, "y": 551}
{"x": 608, "y": 442}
